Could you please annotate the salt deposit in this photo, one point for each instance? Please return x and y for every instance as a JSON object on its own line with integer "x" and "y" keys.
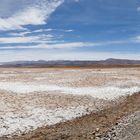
{"x": 18, "y": 117}
{"x": 32, "y": 118}
{"x": 105, "y": 92}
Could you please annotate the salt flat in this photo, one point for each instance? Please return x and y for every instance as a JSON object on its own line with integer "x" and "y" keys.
{"x": 36, "y": 97}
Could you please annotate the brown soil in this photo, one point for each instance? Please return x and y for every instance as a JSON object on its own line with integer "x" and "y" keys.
{"x": 88, "y": 127}
{"x": 77, "y": 66}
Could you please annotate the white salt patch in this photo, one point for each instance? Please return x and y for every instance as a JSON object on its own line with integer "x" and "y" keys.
{"x": 28, "y": 71}
{"x": 105, "y": 92}
{"x": 11, "y": 124}
{"x": 8, "y": 72}
{"x": 7, "y": 75}
{"x": 40, "y": 78}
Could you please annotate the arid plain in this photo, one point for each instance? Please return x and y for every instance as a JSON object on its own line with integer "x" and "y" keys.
{"x": 69, "y": 103}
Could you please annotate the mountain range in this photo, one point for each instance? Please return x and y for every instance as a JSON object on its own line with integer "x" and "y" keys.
{"x": 110, "y": 61}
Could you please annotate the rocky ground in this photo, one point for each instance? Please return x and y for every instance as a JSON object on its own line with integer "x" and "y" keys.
{"x": 53, "y": 104}
{"x": 128, "y": 128}
{"x": 119, "y": 122}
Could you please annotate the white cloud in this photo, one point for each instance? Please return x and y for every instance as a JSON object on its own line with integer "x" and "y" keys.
{"x": 28, "y": 32}
{"x": 34, "y": 15}
{"x": 65, "y": 45}
{"x": 27, "y": 39}
{"x": 46, "y": 42}
{"x": 70, "y": 30}
{"x": 68, "y": 45}
{"x": 24, "y": 33}
{"x": 137, "y": 39}
{"x": 49, "y": 41}
{"x": 42, "y": 30}
{"x": 64, "y": 30}
{"x": 48, "y": 30}
{"x": 138, "y": 9}
{"x": 61, "y": 55}
{"x": 76, "y": 0}
{"x": 19, "y": 33}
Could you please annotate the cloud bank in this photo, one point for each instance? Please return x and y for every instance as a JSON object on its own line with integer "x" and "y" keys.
{"x": 35, "y": 14}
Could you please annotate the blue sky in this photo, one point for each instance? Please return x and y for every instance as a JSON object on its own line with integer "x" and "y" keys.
{"x": 69, "y": 29}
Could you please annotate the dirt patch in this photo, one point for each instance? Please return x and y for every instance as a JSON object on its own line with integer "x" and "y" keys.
{"x": 88, "y": 127}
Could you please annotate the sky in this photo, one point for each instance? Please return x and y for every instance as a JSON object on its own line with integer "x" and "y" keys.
{"x": 69, "y": 29}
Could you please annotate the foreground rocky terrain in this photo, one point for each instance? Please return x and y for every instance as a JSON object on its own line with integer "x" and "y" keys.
{"x": 119, "y": 122}
{"x": 69, "y": 103}
{"x": 128, "y": 128}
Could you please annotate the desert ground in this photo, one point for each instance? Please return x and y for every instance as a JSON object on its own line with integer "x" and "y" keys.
{"x": 70, "y": 103}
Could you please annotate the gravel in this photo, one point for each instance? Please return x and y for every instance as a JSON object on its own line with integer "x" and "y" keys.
{"x": 127, "y": 128}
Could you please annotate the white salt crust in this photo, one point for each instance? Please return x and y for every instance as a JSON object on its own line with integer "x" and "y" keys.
{"x": 108, "y": 92}
{"x": 32, "y": 118}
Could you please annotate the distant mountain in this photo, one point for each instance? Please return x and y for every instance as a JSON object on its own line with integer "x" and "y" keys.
{"x": 110, "y": 61}
{"x": 120, "y": 61}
